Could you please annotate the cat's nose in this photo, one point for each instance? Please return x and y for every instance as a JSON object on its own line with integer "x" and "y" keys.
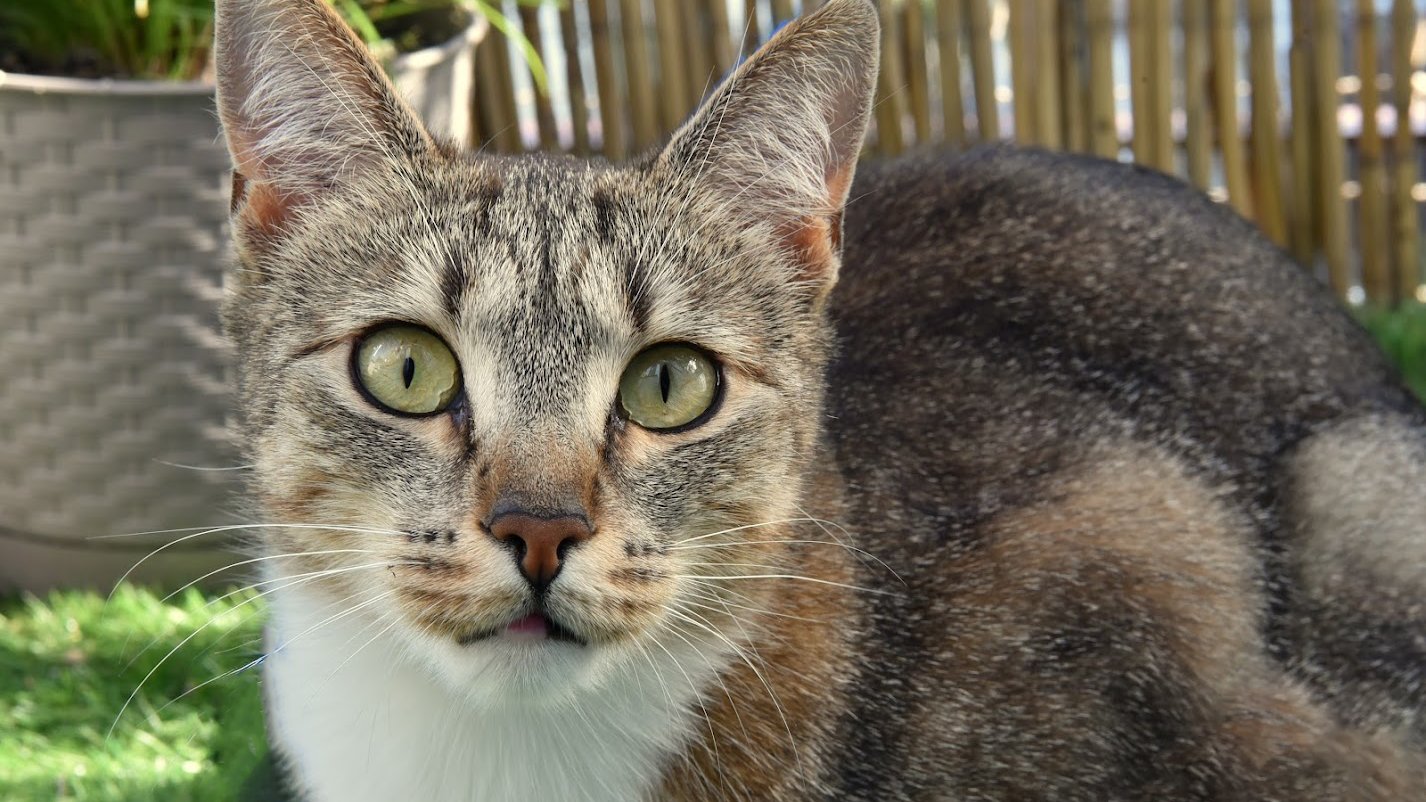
{"x": 540, "y": 541}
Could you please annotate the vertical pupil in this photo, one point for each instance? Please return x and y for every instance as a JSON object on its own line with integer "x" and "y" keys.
{"x": 408, "y": 371}
{"x": 663, "y": 380}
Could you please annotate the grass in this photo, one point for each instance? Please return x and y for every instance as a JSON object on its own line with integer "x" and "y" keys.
{"x": 69, "y": 662}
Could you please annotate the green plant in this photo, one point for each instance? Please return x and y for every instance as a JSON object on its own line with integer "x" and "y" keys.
{"x": 396, "y": 26}
{"x": 167, "y": 39}
{"x": 1401, "y": 332}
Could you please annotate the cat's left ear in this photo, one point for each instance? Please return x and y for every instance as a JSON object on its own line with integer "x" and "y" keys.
{"x": 778, "y": 141}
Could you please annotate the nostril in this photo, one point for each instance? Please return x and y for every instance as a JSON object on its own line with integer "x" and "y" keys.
{"x": 540, "y": 543}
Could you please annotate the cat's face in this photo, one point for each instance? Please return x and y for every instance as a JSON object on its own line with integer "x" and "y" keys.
{"x": 534, "y": 415}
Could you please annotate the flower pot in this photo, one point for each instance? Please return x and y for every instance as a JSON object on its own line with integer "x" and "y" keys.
{"x": 439, "y": 81}
{"x": 113, "y": 201}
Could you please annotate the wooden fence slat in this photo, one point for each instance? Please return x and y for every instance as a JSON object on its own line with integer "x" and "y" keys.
{"x": 723, "y": 56}
{"x": 1047, "y": 84}
{"x": 1327, "y": 63}
{"x": 1074, "y": 99}
{"x": 1266, "y": 146}
{"x": 781, "y": 12}
{"x": 1140, "y": 81}
{"x": 918, "y": 84}
{"x": 642, "y": 102}
{"x": 891, "y": 97}
{"x": 987, "y": 108}
{"x": 1224, "y": 63}
{"x": 948, "y": 44}
{"x": 672, "y": 50}
{"x": 613, "y": 137}
{"x": 1305, "y": 228}
{"x": 502, "y": 119}
{"x": 1198, "y": 138}
{"x": 574, "y": 73}
{"x": 1104, "y": 130}
{"x": 544, "y": 108}
{"x": 752, "y": 33}
{"x": 1404, "y": 233}
{"x": 1024, "y": 55}
{"x": 1161, "y": 67}
{"x": 698, "y": 36}
{"x": 1371, "y": 170}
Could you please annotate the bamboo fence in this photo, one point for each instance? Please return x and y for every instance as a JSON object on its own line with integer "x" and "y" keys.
{"x": 1261, "y": 103}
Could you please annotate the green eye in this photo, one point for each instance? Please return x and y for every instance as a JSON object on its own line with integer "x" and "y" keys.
{"x": 407, "y": 370}
{"x": 668, "y": 386}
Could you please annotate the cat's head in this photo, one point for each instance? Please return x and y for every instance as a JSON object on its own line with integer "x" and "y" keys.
{"x": 494, "y": 397}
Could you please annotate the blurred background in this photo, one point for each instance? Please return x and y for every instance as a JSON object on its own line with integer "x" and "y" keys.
{"x": 1307, "y": 116}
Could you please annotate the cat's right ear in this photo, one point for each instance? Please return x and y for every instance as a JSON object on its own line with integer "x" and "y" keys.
{"x": 303, "y": 107}
{"x": 777, "y": 143}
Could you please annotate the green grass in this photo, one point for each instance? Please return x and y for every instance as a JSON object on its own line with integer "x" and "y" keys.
{"x": 69, "y": 662}
{"x": 1402, "y": 333}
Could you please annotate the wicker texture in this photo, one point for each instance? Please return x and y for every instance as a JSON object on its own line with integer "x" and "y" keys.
{"x": 112, "y": 215}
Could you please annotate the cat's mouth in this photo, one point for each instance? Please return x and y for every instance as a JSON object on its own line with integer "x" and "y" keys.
{"x": 532, "y": 627}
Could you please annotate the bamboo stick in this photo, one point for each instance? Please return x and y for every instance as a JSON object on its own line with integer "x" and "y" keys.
{"x": 641, "y": 89}
{"x": 1371, "y": 169}
{"x": 890, "y": 97}
{"x": 1225, "y": 102}
{"x": 1327, "y": 61}
{"x": 1024, "y": 70}
{"x": 503, "y": 121}
{"x": 544, "y": 108}
{"x": 698, "y": 33}
{"x": 918, "y": 85}
{"x": 1047, "y": 84}
{"x": 752, "y": 34}
{"x": 1306, "y": 216}
{"x": 781, "y": 12}
{"x": 613, "y": 136}
{"x": 1141, "y": 80}
{"x": 1074, "y": 99}
{"x": 574, "y": 72}
{"x": 1198, "y": 139}
{"x": 987, "y": 108}
{"x": 1404, "y": 219}
{"x": 1104, "y": 131}
{"x": 1161, "y": 68}
{"x": 723, "y": 56}
{"x": 948, "y": 43}
{"x": 1267, "y": 167}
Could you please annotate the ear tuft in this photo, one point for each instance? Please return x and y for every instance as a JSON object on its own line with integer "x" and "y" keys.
{"x": 779, "y": 139}
{"x": 303, "y": 105}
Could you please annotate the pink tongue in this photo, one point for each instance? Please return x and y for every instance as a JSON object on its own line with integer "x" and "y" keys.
{"x": 533, "y": 625}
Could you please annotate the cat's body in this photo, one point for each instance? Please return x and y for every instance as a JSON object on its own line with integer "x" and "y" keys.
{"x": 1073, "y": 488}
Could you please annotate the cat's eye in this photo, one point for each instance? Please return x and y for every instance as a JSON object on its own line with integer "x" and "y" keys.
{"x": 668, "y": 387}
{"x": 406, "y": 370}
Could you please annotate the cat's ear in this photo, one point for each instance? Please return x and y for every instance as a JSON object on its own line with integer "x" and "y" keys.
{"x": 303, "y": 106}
{"x": 778, "y": 141}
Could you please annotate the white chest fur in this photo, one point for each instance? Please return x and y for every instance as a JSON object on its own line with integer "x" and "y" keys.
{"x": 362, "y": 719}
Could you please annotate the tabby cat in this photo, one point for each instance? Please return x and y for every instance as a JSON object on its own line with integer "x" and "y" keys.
{"x": 721, "y": 475}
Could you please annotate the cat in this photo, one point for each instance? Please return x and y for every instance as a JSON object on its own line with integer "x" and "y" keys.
{"x": 738, "y": 472}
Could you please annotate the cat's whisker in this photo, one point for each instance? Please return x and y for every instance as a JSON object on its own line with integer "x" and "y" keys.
{"x": 359, "y": 649}
{"x": 732, "y": 703}
{"x": 738, "y": 529}
{"x": 234, "y": 527}
{"x": 756, "y": 610}
{"x": 241, "y": 563}
{"x": 698, "y": 697}
{"x": 791, "y": 541}
{"x": 813, "y": 579}
{"x": 824, "y": 526}
{"x": 205, "y": 468}
{"x": 696, "y": 620}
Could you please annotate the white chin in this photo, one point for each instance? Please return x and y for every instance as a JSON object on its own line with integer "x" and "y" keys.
{"x": 504, "y": 670}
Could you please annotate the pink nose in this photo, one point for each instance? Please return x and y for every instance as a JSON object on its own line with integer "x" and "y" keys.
{"x": 540, "y": 542}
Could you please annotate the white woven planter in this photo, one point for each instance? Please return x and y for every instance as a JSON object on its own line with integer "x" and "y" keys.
{"x": 113, "y": 208}
{"x": 439, "y": 82}
{"x": 113, "y": 198}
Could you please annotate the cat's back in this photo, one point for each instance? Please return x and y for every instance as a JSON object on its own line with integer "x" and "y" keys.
{"x": 1011, "y": 298}
{"x": 1126, "y": 461}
